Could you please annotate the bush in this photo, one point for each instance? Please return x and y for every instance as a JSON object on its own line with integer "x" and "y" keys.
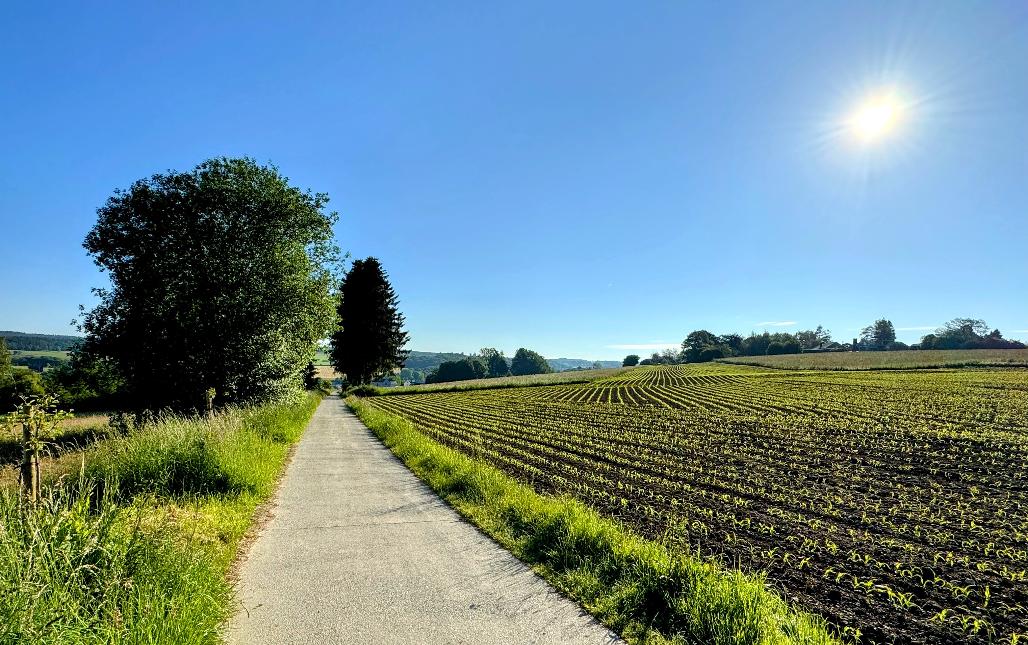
{"x": 23, "y": 383}
{"x": 359, "y": 390}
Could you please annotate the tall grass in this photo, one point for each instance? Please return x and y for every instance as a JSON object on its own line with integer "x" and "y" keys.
{"x": 646, "y": 591}
{"x": 137, "y": 549}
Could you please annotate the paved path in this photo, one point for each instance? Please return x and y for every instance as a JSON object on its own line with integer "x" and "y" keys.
{"x": 360, "y": 551}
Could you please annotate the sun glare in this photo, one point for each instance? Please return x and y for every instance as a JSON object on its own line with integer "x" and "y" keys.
{"x": 876, "y": 118}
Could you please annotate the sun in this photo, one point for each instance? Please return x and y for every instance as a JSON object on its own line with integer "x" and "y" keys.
{"x": 876, "y": 118}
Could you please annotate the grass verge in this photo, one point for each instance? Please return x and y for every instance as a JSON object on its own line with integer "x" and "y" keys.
{"x": 136, "y": 547}
{"x": 645, "y": 591}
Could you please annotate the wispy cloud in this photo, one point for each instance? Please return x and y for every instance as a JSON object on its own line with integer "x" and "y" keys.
{"x": 650, "y": 346}
{"x": 776, "y": 323}
{"x": 918, "y": 328}
{"x": 1019, "y": 331}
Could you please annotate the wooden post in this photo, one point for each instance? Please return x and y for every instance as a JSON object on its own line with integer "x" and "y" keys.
{"x": 29, "y": 464}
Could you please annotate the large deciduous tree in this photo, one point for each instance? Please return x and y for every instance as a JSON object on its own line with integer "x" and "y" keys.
{"x": 221, "y": 278}
{"x": 370, "y": 339}
{"x": 495, "y": 362}
{"x": 526, "y": 361}
{"x": 878, "y": 335}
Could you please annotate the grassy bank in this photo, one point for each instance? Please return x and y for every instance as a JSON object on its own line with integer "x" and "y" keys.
{"x": 901, "y": 360}
{"x": 135, "y": 547}
{"x": 643, "y": 590}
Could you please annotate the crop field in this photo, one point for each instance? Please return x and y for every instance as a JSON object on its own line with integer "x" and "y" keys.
{"x": 902, "y": 360}
{"x": 553, "y": 378}
{"x": 894, "y": 503}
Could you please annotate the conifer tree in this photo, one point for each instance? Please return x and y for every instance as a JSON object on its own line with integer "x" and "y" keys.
{"x": 370, "y": 340}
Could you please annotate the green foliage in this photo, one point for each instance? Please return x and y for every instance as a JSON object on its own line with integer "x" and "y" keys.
{"x": 496, "y": 365}
{"x": 37, "y": 363}
{"x": 370, "y": 339}
{"x": 631, "y": 360}
{"x": 814, "y": 338}
{"x": 643, "y": 590}
{"x": 37, "y": 416}
{"x": 526, "y": 361}
{"x": 123, "y": 556}
{"x": 5, "y": 364}
{"x": 427, "y": 361}
{"x": 878, "y": 335}
{"x": 408, "y": 375}
{"x": 311, "y": 380}
{"x": 364, "y": 389}
{"x": 220, "y": 277}
{"x": 85, "y": 382}
{"x": 19, "y": 384}
{"x": 463, "y": 370}
{"x": 967, "y": 333}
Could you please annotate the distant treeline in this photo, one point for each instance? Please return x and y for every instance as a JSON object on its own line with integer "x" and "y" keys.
{"x": 490, "y": 363}
{"x": 702, "y": 346}
{"x": 21, "y": 341}
{"x": 419, "y": 365}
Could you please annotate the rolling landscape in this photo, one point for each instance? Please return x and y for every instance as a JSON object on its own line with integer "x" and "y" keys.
{"x": 732, "y": 303}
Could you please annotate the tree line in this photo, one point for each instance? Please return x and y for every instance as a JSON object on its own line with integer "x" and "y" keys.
{"x": 703, "y": 346}
{"x": 490, "y": 362}
{"x": 223, "y": 280}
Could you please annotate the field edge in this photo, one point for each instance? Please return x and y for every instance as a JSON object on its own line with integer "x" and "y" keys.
{"x": 639, "y": 588}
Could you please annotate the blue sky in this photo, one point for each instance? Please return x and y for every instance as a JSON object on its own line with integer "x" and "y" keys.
{"x": 579, "y": 177}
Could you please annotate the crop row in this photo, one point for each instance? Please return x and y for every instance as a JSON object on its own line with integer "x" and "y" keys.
{"x": 894, "y": 504}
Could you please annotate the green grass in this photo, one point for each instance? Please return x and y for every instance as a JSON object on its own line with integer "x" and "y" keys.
{"x": 902, "y": 360}
{"x": 554, "y": 378}
{"x": 137, "y": 548}
{"x": 26, "y": 353}
{"x": 646, "y": 591}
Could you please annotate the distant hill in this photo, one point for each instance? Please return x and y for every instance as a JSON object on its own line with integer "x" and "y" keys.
{"x": 19, "y": 340}
{"x": 565, "y": 364}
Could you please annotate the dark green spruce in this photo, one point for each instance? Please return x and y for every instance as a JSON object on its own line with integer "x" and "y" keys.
{"x": 370, "y": 340}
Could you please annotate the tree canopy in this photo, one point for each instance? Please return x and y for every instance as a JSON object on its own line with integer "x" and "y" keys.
{"x": 462, "y": 370}
{"x": 496, "y": 364}
{"x": 967, "y": 333}
{"x": 526, "y": 361}
{"x": 220, "y": 278}
{"x": 879, "y": 335}
{"x": 630, "y": 361}
{"x": 370, "y": 340}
